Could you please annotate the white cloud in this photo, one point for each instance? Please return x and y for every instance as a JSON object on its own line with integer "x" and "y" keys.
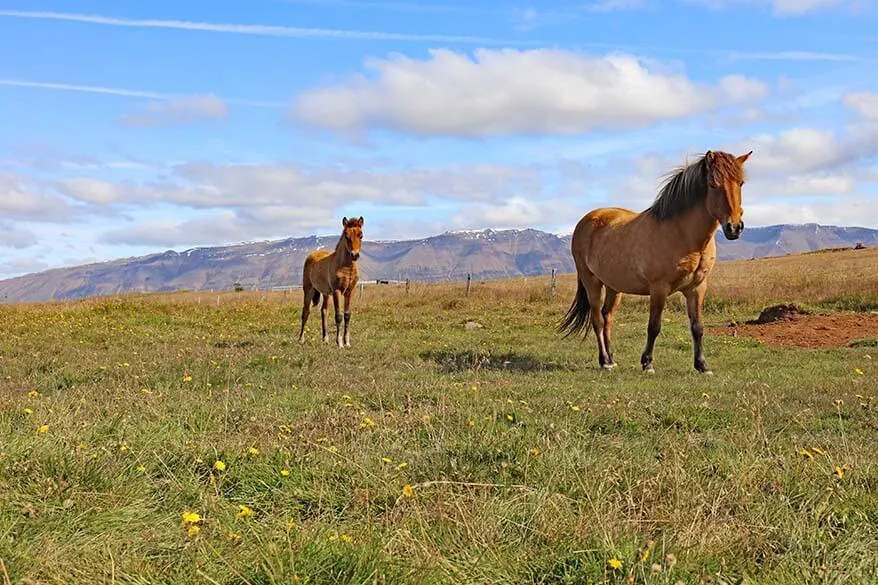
{"x": 203, "y": 185}
{"x": 743, "y": 89}
{"x": 123, "y": 92}
{"x": 12, "y": 236}
{"x": 181, "y": 110}
{"x": 782, "y": 7}
{"x": 508, "y": 91}
{"x": 22, "y": 201}
{"x": 255, "y": 29}
{"x": 864, "y": 104}
{"x": 797, "y": 150}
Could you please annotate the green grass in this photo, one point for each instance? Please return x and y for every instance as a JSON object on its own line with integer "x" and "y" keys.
{"x": 528, "y": 464}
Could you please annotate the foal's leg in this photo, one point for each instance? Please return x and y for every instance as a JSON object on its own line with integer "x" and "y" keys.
{"x": 336, "y": 301}
{"x": 324, "y": 309}
{"x": 611, "y": 303}
{"x": 347, "y": 318}
{"x": 657, "y": 299}
{"x": 694, "y": 300}
{"x": 594, "y": 290}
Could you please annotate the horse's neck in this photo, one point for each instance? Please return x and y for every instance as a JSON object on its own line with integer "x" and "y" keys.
{"x": 698, "y": 227}
{"x": 341, "y": 257}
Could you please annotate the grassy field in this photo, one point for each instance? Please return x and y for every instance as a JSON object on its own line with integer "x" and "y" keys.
{"x": 189, "y": 438}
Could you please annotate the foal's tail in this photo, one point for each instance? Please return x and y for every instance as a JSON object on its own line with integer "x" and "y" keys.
{"x": 578, "y": 315}
{"x": 315, "y": 297}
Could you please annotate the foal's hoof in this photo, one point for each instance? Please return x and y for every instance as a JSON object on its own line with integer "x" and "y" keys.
{"x": 608, "y": 366}
{"x": 649, "y": 370}
{"x": 707, "y": 372}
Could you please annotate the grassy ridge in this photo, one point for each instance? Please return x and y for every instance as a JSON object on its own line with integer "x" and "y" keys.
{"x": 430, "y": 453}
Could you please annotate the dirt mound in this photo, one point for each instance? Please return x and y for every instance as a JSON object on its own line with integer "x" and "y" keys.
{"x": 778, "y": 313}
{"x": 808, "y": 331}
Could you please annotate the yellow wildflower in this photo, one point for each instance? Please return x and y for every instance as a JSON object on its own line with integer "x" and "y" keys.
{"x": 806, "y": 454}
{"x": 346, "y": 538}
{"x": 28, "y": 411}
{"x": 472, "y": 423}
{"x": 187, "y": 378}
{"x": 859, "y": 372}
{"x": 386, "y": 460}
{"x": 43, "y": 428}
{"x": 818, "y": 450}
{"x": 402, "y": 465}
{"x": 234, "y": 537}
{"x": 408, "y": 491}
{"x": 33, "y": 393}
{"x": 219, "y": 465}
{"x": 193, "y": 531}
{"x": 191, "y": 518}
{"x": 839, "y": 471}
{"x": 534, "y": 451}
{"x": 253, "y": 451}
{"x": 644, "y": 555}
{"x": 367, "y": 422}
{"x": 615, "y": 563}
{"x": 285, "y": 472}
{"x": 839, "y": 402}
{"x": 244, "y": 511}
{"x": 141, "y": 469}
{"x": 332, "y": 449}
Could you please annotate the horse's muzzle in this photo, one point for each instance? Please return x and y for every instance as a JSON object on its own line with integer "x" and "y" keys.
{"x": 355, "y": 255}
{"x": 733, "y": 231}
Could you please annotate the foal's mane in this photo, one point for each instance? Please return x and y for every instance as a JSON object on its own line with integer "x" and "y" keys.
{"x": 686, "y": 186}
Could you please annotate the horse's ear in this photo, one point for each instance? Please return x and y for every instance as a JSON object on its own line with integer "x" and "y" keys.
{"x": 743, "y": 158}
{"x": 710, "y": 156}
{"x": 344, "y": 221}
{"x": 361, "y": 221}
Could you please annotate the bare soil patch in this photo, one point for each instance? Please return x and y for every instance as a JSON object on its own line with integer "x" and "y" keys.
{"x": 782, "y": 326}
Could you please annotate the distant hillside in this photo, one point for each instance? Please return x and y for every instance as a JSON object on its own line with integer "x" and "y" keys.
{"x": 487, "y": 254}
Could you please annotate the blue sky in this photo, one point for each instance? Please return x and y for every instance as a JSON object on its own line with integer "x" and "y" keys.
{"x": 134, "y": 127}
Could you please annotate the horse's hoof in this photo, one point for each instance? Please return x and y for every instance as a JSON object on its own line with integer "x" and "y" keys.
{"x": 649, "y": 370}
{"x": 707, "y": 373}
{"x": 608, "y": 366}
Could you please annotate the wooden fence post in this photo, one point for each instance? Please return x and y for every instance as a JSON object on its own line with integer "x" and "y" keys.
{"x": 552, "y": 286}
{"x": 469, "y": 279}
{"x": 406, "y": 286}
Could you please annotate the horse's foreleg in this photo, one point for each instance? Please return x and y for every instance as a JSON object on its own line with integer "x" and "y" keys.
{"x": 347, "y": 318}
{"x": 694, "y": 300}
{"x": 324, "y": 309}
{"x": 611, "y": 303}
{"x": 336, "y": 302}
{"x": 657, "y": 299}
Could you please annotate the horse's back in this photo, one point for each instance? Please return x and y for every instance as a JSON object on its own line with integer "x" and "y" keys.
{"x": 604, "y": 243}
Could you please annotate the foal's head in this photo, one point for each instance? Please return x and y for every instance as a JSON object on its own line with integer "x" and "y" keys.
{"x": 353, "y": 236}
{"x": 725, "y": 177}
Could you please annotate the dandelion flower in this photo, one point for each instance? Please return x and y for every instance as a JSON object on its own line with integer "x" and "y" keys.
{"x": 408, "y": 491}
{"x": 386, "y": 460}
{"x": 367, "y": 422}
{"x": 859, "y": 372}
{"x": 187, "y": 378}
{"x": 839, "y": 471}
{"x": 705, "y": 395}
{"x": 615, "y": 563}
{"x": 193, "y": 531}
{"x": 253, "y": 451}
{"x": 346, "y": 538}
{"x": 28, "y": 411}
{"x": 141, "y": 469}
{"x": 510, "y": 418}
{"x": 234, "y": 537}
{"x": 33, "y": 393}
{"x": 43, "y": 428}
{"x": 402, "y": 465}
{"x": 332, "y": 449}
{"x": 219, "y": 465}
{"x": 191, "y": 518}
{"x": 534, "y": 451}
{"x": 244, "y": 511}
{"x": 285, "y": 472}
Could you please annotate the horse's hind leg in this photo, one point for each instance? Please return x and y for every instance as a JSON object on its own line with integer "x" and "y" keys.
{"x": 336, "y": 302}
{"x": 324, "y": 309}
{"x": 306, "y": 310}
{"x": 347, "y": 318}
{"x": 657, "y": 299}
{"x": 611, "y": 303}
{"x": 594, "y": 290}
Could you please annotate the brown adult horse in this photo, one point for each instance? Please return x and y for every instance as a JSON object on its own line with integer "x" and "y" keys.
{"x": 667, "y": 248}
{"x": 333, "y": 275}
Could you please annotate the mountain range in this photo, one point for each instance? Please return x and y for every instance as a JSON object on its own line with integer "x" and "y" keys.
{"x": 486, "y": 254}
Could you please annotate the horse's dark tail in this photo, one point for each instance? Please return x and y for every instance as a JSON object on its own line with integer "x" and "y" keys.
{"x": 315, "y": 297}
{"x": 578, "y": 315}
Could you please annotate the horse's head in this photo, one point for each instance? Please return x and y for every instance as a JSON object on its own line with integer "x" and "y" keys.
{"x": 725, "y": 177}
{"x": 353, "y": 236}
